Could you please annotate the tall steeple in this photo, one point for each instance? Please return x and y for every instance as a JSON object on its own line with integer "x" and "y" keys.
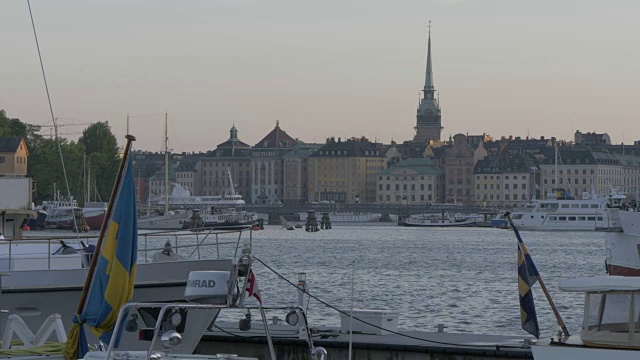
{"x": 429, "y": 121}
{"x": 428, "y": 80}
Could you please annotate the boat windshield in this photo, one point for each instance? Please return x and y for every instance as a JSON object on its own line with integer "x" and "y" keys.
{"x": 612, "y": 318}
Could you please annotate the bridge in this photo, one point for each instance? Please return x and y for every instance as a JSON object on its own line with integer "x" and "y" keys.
{"x": 286, "y": 210}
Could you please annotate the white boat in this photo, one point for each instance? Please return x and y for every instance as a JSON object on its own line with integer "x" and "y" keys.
{"x": 610, "y": 328}
{"x": 55, "y": 268}
{"x": 621, "y": 248}
{"x": 60, "y": 212}
{"x": 181, "y": 198}
{"x": 440, "y": 220}
{"x": 567, "y": 214}
{"x": 164, "y": 220}
{"x": 173, "y": 220}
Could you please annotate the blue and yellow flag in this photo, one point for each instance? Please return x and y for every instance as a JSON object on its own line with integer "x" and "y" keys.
{"x": 527, "y": 277}
{"x": 114, "y": 276}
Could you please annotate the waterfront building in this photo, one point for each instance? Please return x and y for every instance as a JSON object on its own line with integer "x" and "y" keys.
{"x": 14, "y": 156}
{"x": 296, "y": 180}
{"x": 345, "y": 171}
{"x": 429, "y": 116}
{"x": 579, "y": 170}
{"x": 231, "y": 156}
{"x": 458, "y": 163}
{"x": 267, "y": 166}
{"x": 187, "y": 174}
{"x": 415, "y": 181}
{"x": 509, "y": 180}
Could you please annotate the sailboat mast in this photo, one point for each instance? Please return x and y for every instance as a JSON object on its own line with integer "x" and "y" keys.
{"x": 166, "y": 165}
{"x": 556, "y": 169}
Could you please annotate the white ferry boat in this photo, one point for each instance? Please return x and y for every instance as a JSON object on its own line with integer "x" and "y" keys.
{"x": 564, "y": 213}
{"x": 181, "y": 198}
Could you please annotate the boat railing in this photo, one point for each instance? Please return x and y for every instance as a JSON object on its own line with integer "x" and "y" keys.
{"x": 53, "y": 252}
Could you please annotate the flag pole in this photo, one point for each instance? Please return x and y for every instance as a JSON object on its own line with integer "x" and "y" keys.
{"x": 105, "y": 221}
{"x": 523, "y": 249}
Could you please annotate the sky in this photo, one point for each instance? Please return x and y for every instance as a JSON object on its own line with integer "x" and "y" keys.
{"x": 323, "y": 68}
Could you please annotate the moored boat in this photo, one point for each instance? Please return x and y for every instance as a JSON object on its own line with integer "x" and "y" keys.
{"x": 439, "y": 220}
{"x": 564, "y": 213}
{"x": 94, "y": 213}
{"x": 610, "y": 329}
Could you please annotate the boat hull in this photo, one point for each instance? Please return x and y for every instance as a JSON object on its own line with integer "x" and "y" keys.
{"x": 548, "y": 352}
{"x": 165, "y": 222}
{"x": 23, "y": 292}
{"x": 622, "y": 250}
{"x": 94, "y": 218}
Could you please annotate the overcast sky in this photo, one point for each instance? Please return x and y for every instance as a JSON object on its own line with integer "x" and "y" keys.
{"x": 323, "y": 68}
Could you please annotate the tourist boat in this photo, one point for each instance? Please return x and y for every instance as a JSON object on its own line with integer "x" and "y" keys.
{"x": 564, "y": 213}
{"x": 440, "y": 220}
{"x": 181, "y": 198}
{"x": 610, "y": 328}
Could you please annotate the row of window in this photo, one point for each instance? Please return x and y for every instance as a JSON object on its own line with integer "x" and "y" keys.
{"x": 506, "y": 186}
{"x": 497, "y": 177}
{"x": 398, "y": 198}
{"x": 405, "y": 187}
{"x": 507, "y": 197}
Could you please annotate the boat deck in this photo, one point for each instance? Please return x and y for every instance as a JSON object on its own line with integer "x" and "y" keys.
{"x": 409, "y": 345}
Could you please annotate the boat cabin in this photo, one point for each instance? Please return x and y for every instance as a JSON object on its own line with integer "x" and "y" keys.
{"x": 611, "y": 310}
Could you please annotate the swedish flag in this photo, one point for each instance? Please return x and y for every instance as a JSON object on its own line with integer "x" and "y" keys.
{"x": 114, "y": 276}
{"x": 527, "y": 277}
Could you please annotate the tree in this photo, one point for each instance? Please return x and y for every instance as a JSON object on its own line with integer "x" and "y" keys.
{"x": 10, "y": 127}
{"x": 101, "y": 148}
{"x": 45, "y": 167}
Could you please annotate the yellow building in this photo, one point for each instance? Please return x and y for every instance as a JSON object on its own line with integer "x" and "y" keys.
{"x": 344, "y": 171}
{"x": 13, "y": 157}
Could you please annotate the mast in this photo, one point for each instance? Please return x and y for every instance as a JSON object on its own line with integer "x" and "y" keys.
{"x": 556, "y": 169}
{"x": 166, "y": 165}
{"x": 89, "y": 182}
{"x": 233, "y": 191}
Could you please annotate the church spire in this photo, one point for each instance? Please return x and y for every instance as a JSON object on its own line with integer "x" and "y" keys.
{"x": 429, "y": 121}
{"x": 428, "y": 81}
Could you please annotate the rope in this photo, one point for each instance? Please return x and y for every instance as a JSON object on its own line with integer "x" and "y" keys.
{"x": 497, "y": 347}
{"x": 49, "y": 348}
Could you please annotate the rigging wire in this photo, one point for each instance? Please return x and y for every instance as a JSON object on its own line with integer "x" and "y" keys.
{"x": 53, "y": 118}
{"x": 496, "y": 346}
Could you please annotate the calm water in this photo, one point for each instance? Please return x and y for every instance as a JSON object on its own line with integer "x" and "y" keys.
{"x": 464, "y": 277}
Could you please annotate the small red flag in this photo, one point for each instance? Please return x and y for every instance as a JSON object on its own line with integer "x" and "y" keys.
{"x": 253, "y": 288}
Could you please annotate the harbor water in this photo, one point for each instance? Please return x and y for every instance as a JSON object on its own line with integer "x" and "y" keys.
{"x": 464, "y": 278}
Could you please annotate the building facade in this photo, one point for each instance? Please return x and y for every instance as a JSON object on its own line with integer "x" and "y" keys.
{"x": 267, "y": 166}
{"x": 14, "y": 157}
{"x": 296, "y": 170}
{"x": 415, "y": 181}
{"x": 458, "y": 163}
{"x": 227, "y": 168}
{"x": 345, "y": 171}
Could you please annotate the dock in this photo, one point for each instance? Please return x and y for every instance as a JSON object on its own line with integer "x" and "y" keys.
{"x": 409, "y": 345}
